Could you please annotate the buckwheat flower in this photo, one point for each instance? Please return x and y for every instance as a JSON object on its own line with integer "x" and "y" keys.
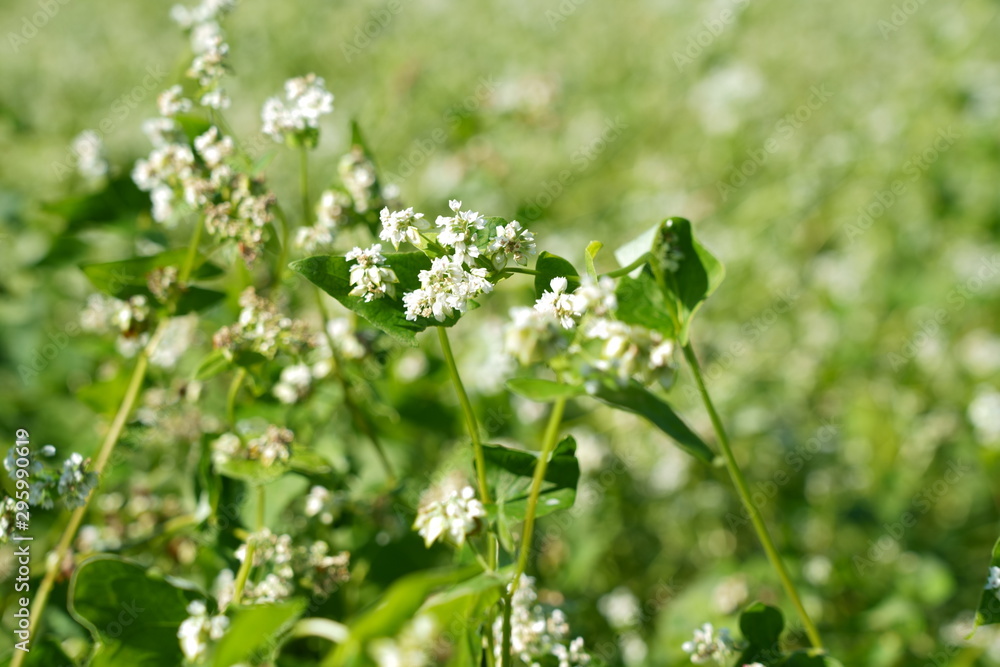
{"x": 993, "y": 581}
{"x": 531, "y": 335}
{"x": 275, "y": 445}
{"x": 96, "y": 315}
{"x": 316, "y": 504}
{"x": 707, "y": 645}
{"x": 452, "y": 518}
{"x": 90, "y": 160}
{"x": 162, "y": 282}
{"x": 198, "y": 629}
{"x": 322, "y": 571}
{"x": 176, "y": 339}
{"x": 172, "y": 102}
{"x": 357, "y": 173}
{"x": 212, "y": 148}
{"x": 558, "y": 304}
{"x": 161, "y": 131}
{"x": 371, "y": 278}
{"x": 207, "y": 10}
{"x": 293, "y": 384}
{"x": 460, "y": 231}
{"x": 511, "y": 241}
{"x": 331, "y": 209}
{"x": 131, "y": 314}
{"x": 8, "y": 509}
{"x": 595, "y": 297}
{"x": 621, "y": 608}
{"x": 261, "y": 328}
{"x": 538, "y": 635}
{"x": 399, "y": 226}
{"x": 306, "y": 100}
{"x": 204, "y": 35}
{"x": 76, "y": 482}
{"x": 216, "y": 99}
{"x": 413, "y": 647}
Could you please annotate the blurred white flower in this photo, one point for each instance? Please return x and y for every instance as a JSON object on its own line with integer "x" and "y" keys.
{"x": 196, "y": 631}
{"x": 400, "y": 226}
{"x": 370, "y": 276}
{"x": 984, "y": 413}
{"x": 621, "y": 608}
{"x": 708, "y": 645}
{"x": 306, "y": 100}
{"x": 90, "y": 160}
{"x": 454, "y": 517}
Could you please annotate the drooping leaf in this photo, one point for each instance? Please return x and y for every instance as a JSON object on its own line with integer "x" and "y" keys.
{"x": 332, "y": 275}
{"x": 255, "y": 632}
{"x": 551, "y": 266}
{"x": 133, "y": 615}
{"x": 634, "y": 398}
{"x": 988, "y": 612}
{"x": 510, "y": 471}
{"x": 543, "y": 391}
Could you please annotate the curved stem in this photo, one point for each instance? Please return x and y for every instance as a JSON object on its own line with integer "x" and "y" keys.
{"x": 55, "y": 559}
{"x": 625, "y": 270}
{"x": 744, "y": 492}
{"x": 234, "y": 391}
{"x": 359, "y": 417}
{"x": 470, "y": 416}
{"x": 548, "y": 446}
{"x": 244, "y": 573}
{"x": 518, "y": 269}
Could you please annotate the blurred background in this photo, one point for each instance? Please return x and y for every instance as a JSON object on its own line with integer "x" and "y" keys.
{"x": 841, "y": 158}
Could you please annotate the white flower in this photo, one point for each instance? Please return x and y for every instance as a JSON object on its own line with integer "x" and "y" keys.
{"x": 708, "y": 645}
{"x": 511, "y": 241}
{"x": 446, "y": 287}
{"x": 531, "y": 335}
{"x": 89, "y": 150}
{"x": 316, "y": 502}
{"x": 558, "y": 304}
{"x": 536, "y": 634}
{"x": 171, "y": 102}
{"x": 461, "y": 231}
{"x": 293, "y": 384}
{"x": 176, "y": 339}
{"x": 399, "y": 226}
{"x": 213, "y": 149}
{"x": 369, "y": 275}
{"x": 198, "y": 629}
{"x": 621, "y": 608}
{"x": 984, "y": 413}
{"x": 306, "y": 100}
{"x": 595, "y": 297}
{"x": 411, "y": 648}
{"x": 76, "y": 482}
{"x": 993, "y": 581}
{"x": 274, "y": 445}
{"x": 454, "y": 517}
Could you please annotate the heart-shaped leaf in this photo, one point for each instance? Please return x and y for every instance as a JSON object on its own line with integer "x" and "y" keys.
{"x": 551, "y": 266}
{"x": 510, "y": 471}
{"x": 256, "y": 632}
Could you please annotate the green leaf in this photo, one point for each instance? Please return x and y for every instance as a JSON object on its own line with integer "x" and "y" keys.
{"x": 119, "y": 200}
{"x": 811, "y": 658}
{"x": 196, "y": 299}
{"x": 593, "y": 248}
{"x": 989, "y": 602}
{"x": 133, "y": 616}
{"x": 212, "y": 365}
{"x": 462, "y": 608}
{"x": 47, "y": 652}
{"x": 397, "y": 606}
{"x": 636, "y": 399}
{"x": 252, "y": 472}
{"x": 510, "y": 472}
{"x": 331, "y": 274}
{"x": 761, "y": 624}
{"x": 126, "y": 278}
{"x": 543, "y": 391}
{"x": 641, "y": 302}
{"x": 698, "y": 273}
{"x": 256, "y": 630}
{"x": 551, "y": 266}
{"x": 192, "y": 126}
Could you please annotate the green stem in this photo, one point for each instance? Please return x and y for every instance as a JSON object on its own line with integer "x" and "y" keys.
{"x": 470, "y": 417}
{"x": 185, "y": 273}
{"x": 505, "y": 651}
{"x": 234, "y": 391}
{"x": 518, "y": 269}
{"x": 56, "y": 558}
{"x": 304, "y": 185}
{"x": 286, "y": 235}
{"x": 244, "y": 573}
{"x": 548, "y": 446}
{"x": 625, "y": 270}
{"x": 359, "y": 417}
{"x": 744, "y": 492}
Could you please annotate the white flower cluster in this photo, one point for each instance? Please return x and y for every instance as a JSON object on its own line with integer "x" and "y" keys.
{"x": 358, "y": 175}
{"x": 297, "y": 116}
{"x": 536, "y": 634}
{"x": 331, "y": 214}
{"x": 453, "y": 517}
{"x": 91, "y": 162}
{"x": 369, "y": 276}
{"x": 708, "y": 645}
{"x": 44, "y": 478}
{"x": 319, "y": 503}
{"x": 445, "y": 288}
{"x": 76, "y": 482}
{"x": 323, "y": 572}
{"x": 130, "y": 319}
{"x": 262, "y": 329}
{"x": 413, "y": 647}
{"x": 511, "y": 241}
{"x": 210, "y": 48}
{"x": 583, "y": 324}
{"x": 273, "y": 445}
{"x": 8, "y": 509}
{"x": 273, "y": 554}
{"x": 993, "y": 581}
{"x": 198, "y": 629}
{"x": 400, "y": 226}
{"x": 172, "y": 102}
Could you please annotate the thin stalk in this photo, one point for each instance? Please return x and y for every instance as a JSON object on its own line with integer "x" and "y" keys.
{"x": 505, "y": 651}
{"x": 247, "y": 564}
{"x": 744, "y": 492}
{"x": 192, "y": 253}
{"x": 519, "y": 269}
{"x": 625, "y": 270}
{"x": 286, "y": 235}
{"x": 470, "y": 416}
{"x": 548, "y": 446}
{"x": 54, "y": 562}
{"x": 304, "y": 185}
{"x": 234, "y": 391}
{"x": 360, "y": 420}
